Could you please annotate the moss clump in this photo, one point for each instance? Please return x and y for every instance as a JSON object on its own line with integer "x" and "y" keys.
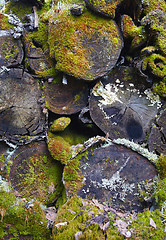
{"x": 2, "y": 158}
{"x": 73, "y": 137}
{"x": 160, "y": 88}
{"x": 37, "y": 58}
{"x": 72, "y": 174}
{"x": 156, "y": 64}
{"x": 60, "y": 124}
{"x": 83, "y": 218}
{"x": 162, "y": 166}
{"x": 141, "y": 228}
{"x": 9, "y": 50}
{"x": 59, "y": 149}
{"x": 18, "y": 222}
{"x": 154, "y": 23}
{"x": 4, "y": 24}
{"x": 20, "y": 10}
{"x": 131, "y": 31}
{"x": 150, "y": 5}
{"x": 68, "y": 36}
{"x": 160, "y": 194}
{"x": 106, "y": 7}
{"x": 76, "y": 216}
{"x": 39, "y": 177}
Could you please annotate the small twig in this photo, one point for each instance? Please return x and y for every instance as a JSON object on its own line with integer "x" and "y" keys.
{"x": 36, "y": 19}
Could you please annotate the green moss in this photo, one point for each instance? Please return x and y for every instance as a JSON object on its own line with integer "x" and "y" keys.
{"x": 20, "y": 10}
{"x": 59, "y": 149}
{"x": 39, "y": 177}
{"x": 156, "y": 64}
{"x": 43, "y": 65}
{"x": 72, "y": 174}
{"x": 9, "y": 50}
{"x": 150, "y": 5}
{"x": 60, "y": 124}
{"x": 67, "y": 37}
{"x": 73, "y": 137}
{"x": 160, "y": 193}
{"x": 155, "y": 21}
{"x": 17, "y": 221}
{"x": 160, "y": 89}
{"x": 81, "y": 217}
{"x": 76, "y": 216}
{"x": 4, "y": 24}
{"x": 162, "y": 166}
{"x": 141, "y": 228}
{"x": 2, "y": 158}
{"x": 107, "y": 7}
{"x": 41, "y": 35}
{"x": 131, "y": 31}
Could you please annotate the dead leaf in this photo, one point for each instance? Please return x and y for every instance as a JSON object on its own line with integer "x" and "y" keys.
{"x": 85, "y": 203}
{"x": 71, "y": 211}
{"x": 58, "y": 225}
{"x": 2, "y": 212}
{"x": 97, "y": 204}
{"x": 91, "y": 213}
{"x": 77, "y": 235}
{"x": 122, "y": 228}
{"x": 152, "y": 223}
{"x": 51, "y": 188}
{"x": 106, "y": 226}
{"x": 50, "y": 215}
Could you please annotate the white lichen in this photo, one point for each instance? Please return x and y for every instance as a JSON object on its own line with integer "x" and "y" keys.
{"x": 144, "y": 105}
{"x": 152, "y": 157}
{"x": 153, "y": 98}
{"x": 116, "y": 184}
{"x": 4, "y": 186}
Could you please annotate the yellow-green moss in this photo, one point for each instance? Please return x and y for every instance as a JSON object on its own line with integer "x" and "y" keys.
{"x": 66, "y": 39}
{"x": 77, "y": 217}
{"x": 160, "y": 194}
{"x": 39, "y": 177}
{"x": 45, "y": 65}
{"x": 17, "y": 221}
{"x": 162, "y": 166}
{"x": 107, "y": 7}
{"x": 150, "y": 5}
{"x": 160, "y": 88}
{"x": 20, "y": 10}
{"x": 9, "y": 50}
{"x": 59, "y": 149}
{"x": 60, "y": 124}
{"x": 131, "y": 31}
{"x": 72, "y": 174}
{"x": 156, "y": 64}
{"x": 2, "y": 158}
{"x": 4, "y": 24}
{"x": 155, "y": 21}
{"x": 73, "y": 137}
{"x": 76, "y": 221}
{"x": 141, "y": 228}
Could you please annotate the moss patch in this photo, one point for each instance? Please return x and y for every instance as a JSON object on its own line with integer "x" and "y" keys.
{"x": 156, "y": 64}
{"x": 68, "y": 35}
{"x": 106, "y": 7}
{"x": 39, "y": 176}
{"x": 60, "y": 124}
{"x": 142, "y": 228}
{"x": 17, "y": 221}
{"x": 131, "y": 31}
{"x": 150, "y": 5}
{"x": 59, "y": 149}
